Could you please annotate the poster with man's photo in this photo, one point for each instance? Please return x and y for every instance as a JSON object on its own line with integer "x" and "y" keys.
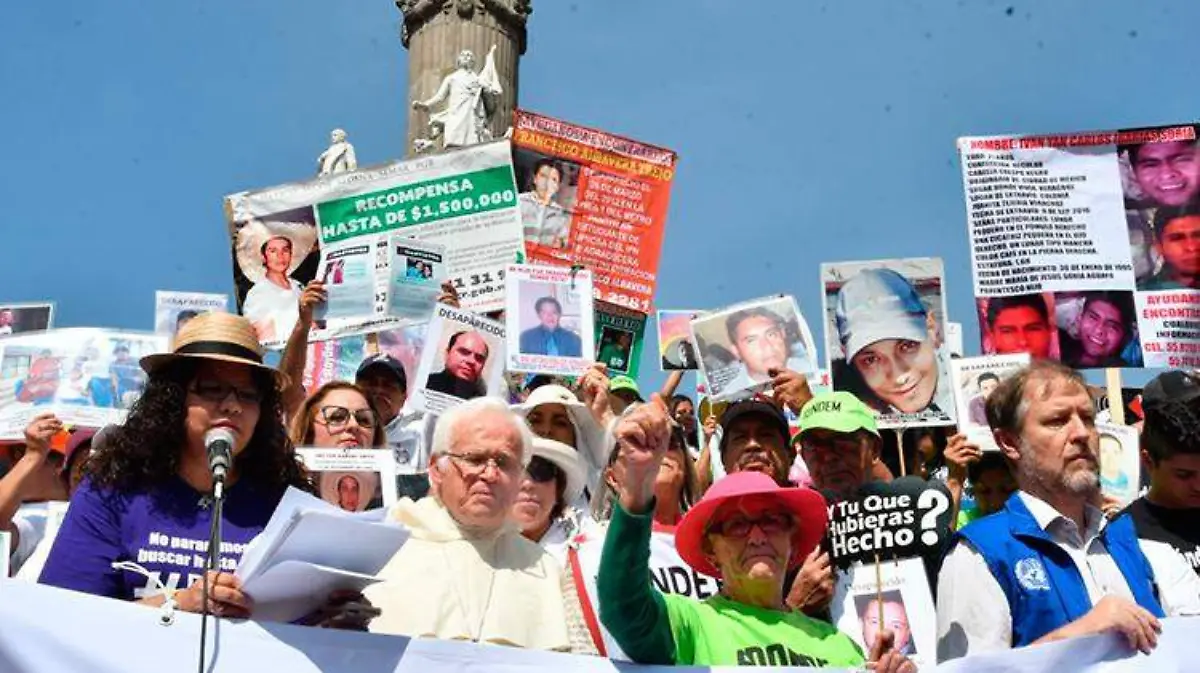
{"x": 897, "y": 599}
{"x": 1120, "y": 462}
{"x": 885, "y": 340}
{"x": 593, "y": 199}
{"x": 354, "y": 480}
{"x": 549, "y": 319}
{"x": 172, "y": 310}
{"x": 676, "y": 350}
{"x": 1102, "y": 226}
{"x": 465, "y": 200}
{"x": 742, "y": 347}
{"x": 619, "y": 334}
{"x": 974, "y": 380}
{"x": 88, "y": 377}
{"x": 463, "y": 359}
{"x": 18, "y": 318}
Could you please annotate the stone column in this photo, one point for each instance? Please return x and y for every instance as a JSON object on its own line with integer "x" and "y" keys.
{"x": 435, "y": 31}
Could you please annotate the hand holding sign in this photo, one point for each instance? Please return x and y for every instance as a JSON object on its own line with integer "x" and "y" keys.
{"x": 314, "y": 293}
{"x": 790, "y": 389}
{"x": 642, "y": 437}
{"x": 885, "y": 659}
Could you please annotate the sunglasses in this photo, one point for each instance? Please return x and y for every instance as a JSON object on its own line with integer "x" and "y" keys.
{"x": 337, "y": 418}
{"x": 541, "y": 471}
{"x": 215, "y": 391}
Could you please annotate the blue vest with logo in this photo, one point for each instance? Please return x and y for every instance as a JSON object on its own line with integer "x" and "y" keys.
{"x": 1044, "y": 588}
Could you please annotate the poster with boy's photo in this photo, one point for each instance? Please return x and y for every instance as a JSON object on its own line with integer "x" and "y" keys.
{"x": 549, "y": 319}
{"x": 619, "y": 334}
{"x": 463, "y": 359}
{"x": 884, "y": 337}
{"x": 1097, "y": 329}
{"x": 863, "y": 607}
{"x": 18, "y": 318}
{"x": 1018, "y": 323}
{"x": 1120, "y": 463}
{"x": 354, "y": 480}
{"x": 676, "y": 350}
{"x": 173, "y": 310}
{"x": 974, "y": 380}
{"x": 742, "y": 347}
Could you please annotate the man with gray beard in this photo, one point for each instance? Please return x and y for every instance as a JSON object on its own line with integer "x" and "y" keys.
{"x": 1048, "y": 566}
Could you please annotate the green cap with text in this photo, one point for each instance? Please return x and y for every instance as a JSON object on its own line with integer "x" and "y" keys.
{"x": 837, "y": 411}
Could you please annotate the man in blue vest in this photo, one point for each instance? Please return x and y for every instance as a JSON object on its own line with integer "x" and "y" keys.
{"x": 1048, "y": 566}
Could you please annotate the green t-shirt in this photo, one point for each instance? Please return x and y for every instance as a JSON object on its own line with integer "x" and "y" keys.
{"x": 721, "y": 632}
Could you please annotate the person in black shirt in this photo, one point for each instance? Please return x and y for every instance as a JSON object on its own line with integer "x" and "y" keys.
{"x": 1170, "y": 448}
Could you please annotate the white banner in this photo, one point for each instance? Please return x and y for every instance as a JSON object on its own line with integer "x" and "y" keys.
{"x": 55, "y": 630}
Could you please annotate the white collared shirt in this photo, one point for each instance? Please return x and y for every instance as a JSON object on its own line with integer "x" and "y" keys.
{"x": 972, "y": 611}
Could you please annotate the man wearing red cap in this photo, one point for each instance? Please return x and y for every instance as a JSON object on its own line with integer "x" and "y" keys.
{"x": 748, "y": 531}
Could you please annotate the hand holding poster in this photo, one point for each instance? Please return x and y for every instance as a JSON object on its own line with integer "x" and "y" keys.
{"x": 1098, "y": 225}
{"x": 883, "y": 326}
{"x": 463, "y": 359}
{"x": 87, "y": 377}
{"x": 593, "y": 199}
{"x": 17, "y": 318}
{"x": 1120, "y": 464}
{"x": 975, "y": 379}
{"x": 744, "y": 345}
{"x": 676, "y": 349}
{"x": 172, "y": 310}
{"x": 619, "y": 333}
{"x": 899, "y": 593}
{"x": 549, "y": 319}
{"x": 354, "y": 479}
{"x": 417, "y": 272}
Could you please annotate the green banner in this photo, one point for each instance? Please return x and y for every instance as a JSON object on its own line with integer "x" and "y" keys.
{"x": 417, "y": 204}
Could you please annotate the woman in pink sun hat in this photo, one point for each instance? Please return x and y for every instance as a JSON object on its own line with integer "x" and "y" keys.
{"x": 748, "y": 531}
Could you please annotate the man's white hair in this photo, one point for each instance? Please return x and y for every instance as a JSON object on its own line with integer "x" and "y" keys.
{"x": 444, "y": 430}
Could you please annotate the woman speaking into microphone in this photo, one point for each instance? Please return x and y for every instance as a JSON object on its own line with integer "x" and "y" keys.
{"x": 145, "y": 499}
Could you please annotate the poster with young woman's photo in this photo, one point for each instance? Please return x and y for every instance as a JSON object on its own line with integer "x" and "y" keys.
{"x": 884, "y": 336}
{"x": 354, "y": 480}
{"x": 742, "y": 347}
{"x": 464, "y": 359}
{"x": 676, "y": 351}
{"x": 18, "y": 318}
{"x": 895, "y": 598}
{"x": 549, "y": 319}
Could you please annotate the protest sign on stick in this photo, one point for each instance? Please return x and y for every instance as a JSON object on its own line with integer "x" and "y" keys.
{"x": 975, "y": 379}
{"x": 87, "y": 377}
{"x": 354, "y": 479}
{"x": 18, "y": 318}
{"x": 1094, "y": 223}
{"x": 463, "y": 199}
{"x": 463, "y": 359}
{"x": 884, "y": 338}
{"x": 593, "y": 199}
{"x": 550, "y": 319}
{"x": 676, "y": 350}
{"x": 619, "y": 336}
{"x": 741, "y": 346}
{"x": 172, "y": 310}
{"x": 892, "y": 595}
{"x": 899, "y": 519}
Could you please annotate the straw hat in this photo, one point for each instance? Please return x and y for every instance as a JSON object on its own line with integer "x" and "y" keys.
{"x": 255, "y": 233}
{"x": 215, "y": 336}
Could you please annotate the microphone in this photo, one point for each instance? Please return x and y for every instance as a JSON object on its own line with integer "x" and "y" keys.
{"x": 218, "y": 444}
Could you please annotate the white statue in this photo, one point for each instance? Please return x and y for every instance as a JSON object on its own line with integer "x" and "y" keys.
{"x": 339, "y": 158}
{"x": 470, "y": 96}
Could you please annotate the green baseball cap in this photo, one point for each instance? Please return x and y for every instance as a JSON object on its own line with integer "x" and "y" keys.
{"x": 624, "y": 383}
{"x": 838, "y": 411}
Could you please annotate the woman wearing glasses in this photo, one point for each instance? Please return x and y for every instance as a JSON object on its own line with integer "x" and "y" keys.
{"x": 340, "y": 416}
{"x": 145, "y": 499}
{"x": 552, "y": 480}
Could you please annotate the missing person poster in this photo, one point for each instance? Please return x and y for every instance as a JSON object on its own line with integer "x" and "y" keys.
{"x": 896, "y": 599}
{"x": 352, "y": 479}
{"x": 975, "y": 379}
{"x": 173, "y": 310}
{"x": 464, "y": 359}
{"x": 742, "y": 346}
{"x": 1084, "y": 240}
{"x": 333, "y": 360}
{"x": 417, "y": 272}
{"x": 593, "y": 199}
{"x": 463, "y": 199}
{"x": 349, "y": 270}
{"x": 18, "y": 318}
{"x": 87, "y": 377}
{"x": 619, "y": 334}
{"x": 676, "y": 350}
{"x": 1120, "y": 463}
{"x": 549, "y": 320}
{"x": 884, "y": 335}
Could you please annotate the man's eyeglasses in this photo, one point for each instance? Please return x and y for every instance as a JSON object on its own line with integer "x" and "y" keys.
{"x": 813, "y": 449}
{"x": 541, "y": 470}
{"x": 770, "y": 523}
{"x": 337, "y": 418}
{"x": 473, "y": 464}
{"x": 215, "y": 391}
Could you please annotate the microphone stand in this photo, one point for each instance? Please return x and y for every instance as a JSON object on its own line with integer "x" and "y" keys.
{"x": 214, "y": 553}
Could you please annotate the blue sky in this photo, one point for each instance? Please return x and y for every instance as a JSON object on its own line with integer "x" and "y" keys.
{"x": 808, "y": 131}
